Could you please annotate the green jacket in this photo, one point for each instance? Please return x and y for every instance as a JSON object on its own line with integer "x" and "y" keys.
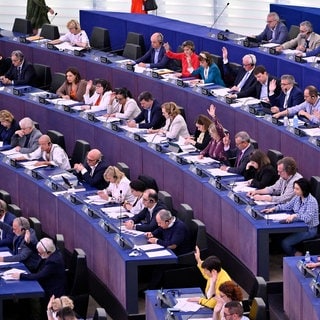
{"x": 37, "y": 13}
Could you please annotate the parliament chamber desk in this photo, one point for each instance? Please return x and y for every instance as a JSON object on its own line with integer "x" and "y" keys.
{"x": 299, "y": 300}
{"x": 15, "y": 289}
{"x": 175, "y": 32}
{"x": 154, "y": 310}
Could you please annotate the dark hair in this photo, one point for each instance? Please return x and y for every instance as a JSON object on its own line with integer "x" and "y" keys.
{"x": 206, "y": 56}
{"x": 145, "y": 95}
{"x": 106, "y": 85}
{"x": 152, "y": 195}
{"x": 313, "y": 91}
{"x": 289, "y": 165}
{"x": 188, "y": 43}
{"x": 75, "y": 72}
{"x": 212, "y": 263}
{"x": 137, "y": 185}
{"x": 234, "y": 307}
{"x": 124, "y": 92}
{"x": 231, "y": 290}
{"x": 260, "y": 158}
{"x": 204, "y": 121}
{"x": 259, "y": 69}
{"x": 304, "y": 186}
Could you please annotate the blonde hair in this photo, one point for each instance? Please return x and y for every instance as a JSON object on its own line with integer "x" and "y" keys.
{"x": 6, "y": 115}
{"x": 114, "y": 172}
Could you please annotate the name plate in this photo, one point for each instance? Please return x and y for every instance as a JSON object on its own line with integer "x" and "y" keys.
{"x": 24, "y": 40}
{"x": 276, "y": 121}
{"x": 299, "y": 59}
{"x": 92, "y": 117}
{"x": 222, "y": 36}
{"x": 78, "y": 53}
{"x": 299, "y": 132}
{"x": 51, "y": 46}
{"x": 130, "y": 67}
{"x": 274, "y": 51}
{"x": 105, "y": 60}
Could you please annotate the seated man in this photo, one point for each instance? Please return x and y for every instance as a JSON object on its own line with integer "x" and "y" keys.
{"x": 309, "y": 109}
{"x": 151, "y": 115}
{"x": 21, "y": 251}
{"x": 6, "y": 218}
{"x": 145, "y": 220}
{"x": 171, "y": 233}
{"x": 307, "y": 40}
{"x": 235, "y": 310}
{"x": 241, "y": 153}
{"x": 5, "y": 64}
{"x": 291, "y": 95}
{"x": 21, "y": 72}
{"x": 282, "y": 190}
{"x": 48, "y": 154}
{"x": 155, "y": 57}
{"x": 25, "y": 140}
{"x": 275, "y": 30}
{"x": 244, "y": 78}
{"x": 92, "y": 171}
{"x": 212, "y": 271}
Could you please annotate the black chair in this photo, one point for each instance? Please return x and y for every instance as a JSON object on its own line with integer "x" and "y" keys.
{"x": 78, "y": 284}
{"x": 274, "y": 156}
{"x": 58, "y": 78}
{"x": 254, "y": 143}
{"x": 132, "y": 51}
{"x": 259, "y": 289}
{"x": 229, "y": 77}
{"x": 185, "y": 213}
{"x": 36, "y": 124}
{"x": 100, "y": 314}
{"x": 35, "y": 224}
{"x": 50, "y": 31}
{"x": 293, "y": 31}
{"x": 138, "y": 39}
{"x": 43, "y": 76}
{"x": 100, "y": 39}
{"x": 124, "y": 168}
{"x": 166, "y": 198}
{"x": 59, "y": 242}
{"x": 22, "y": 26}
{"x": 57, "y": 138}
{"x": 149, "y": 182}
{"x": 79, "y": 153}
{"x": 5, "y": 196}
{"x": 258, "y": 310}
{"x": 13, "y": 208}
{"x": 218, "y": 61}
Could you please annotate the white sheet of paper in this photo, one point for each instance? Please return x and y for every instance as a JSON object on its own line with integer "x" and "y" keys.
{"x": 160, "y": 253}
{"x": 154, "y": 138}
{"x": 204, "y": 160}
{"x": 148, "y": 247}
{"x": 276, "y": 216}
{"x": 221, "y": 92}
{"x": 220, "y": 173}
{"x": 242, "y": 186}
{"x": 187, "y": 306}
{"x": 312, "y": 132}
{"x": 108, "y": 120}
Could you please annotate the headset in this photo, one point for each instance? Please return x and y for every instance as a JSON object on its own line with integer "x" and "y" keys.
{"x": 45, "y": 249}
{"x": 160, "y": 37}
{"x": 24, "y": 224}
{"x": 253, "y": 59}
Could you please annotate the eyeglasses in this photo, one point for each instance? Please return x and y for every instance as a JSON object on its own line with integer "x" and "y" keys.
{"x": 91, "y": 160}
{"x": 269, "y": 21}
{"x": 228, "y": 314}
{"x": 246, "y": 65}
{"x": 284, "y": 84}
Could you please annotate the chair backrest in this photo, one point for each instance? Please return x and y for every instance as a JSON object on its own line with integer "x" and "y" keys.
{"x": 258, "y": 310}
{"x": 136, "y": 38}
{"x": 22, "y": 26}
{"x": 315, "y": 187}
{"x": 254, "y": 143}
{"x": 100, "y": 314}
{"x": 166, "y": 198}
{"x": 293, "y": 31}
{"x": 50, "y": 31}
{"x": 199, "y": 234}
{"x": 57, "y": 138}
{"x": 58, "y": 79}
{"x": 59, "y": 242}
{"x": 274, "y": 156}
{"x": 100, "y": 39}
{"x": 13, "y": 208}
{"x": 149, "y": 182}
{"x": 43, "y": 76}
{"x": 185, "y": 213}
{"x": 218, "y": 61}
{"x": 5, "y": 196}
{"x": 124, "y": 168}
{"x": 132, "y": 51}
{"x": 259, "y": 289}
{"x": 35, "y": 224}
{"x": 229, "y": 77}
{"x": 79, "y": 153}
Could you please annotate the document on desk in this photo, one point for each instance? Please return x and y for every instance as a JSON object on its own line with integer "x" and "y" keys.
{"x": 108, "y": 119}
{"x": 204, "y": 160}
{"x": 276, "y": 216}
{"x": 290, "y": 51}
{"x": 7, "y": 275}
{"x": 263, "y": 203}
{"x": 68, "y": 46}
{"x": 154, "y": 138}
{"x": 221, "y": 92}
{"x": 64, "y": 102}
{"x": 216, "y": 172}
{"x": 12, "y": 153}
{"x": 96, "y": 199}
{"x": 312, "y": 132}
{"x": 149, "y": 247}
{"x": 269, "y": 45}
{"x": 133, "y": 130}
{"x": 160, "y": 253}
{"x": 242, "y": 186}
{"x": 32, "y": 164}
{"x": 6, "y": 254}
{"x": 311, "y": 59}
{"x": 187, "y": 306}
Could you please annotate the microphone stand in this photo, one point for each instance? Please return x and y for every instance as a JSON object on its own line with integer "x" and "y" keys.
{"x": 53, "y": 17}
{"x": 211, "y": 35}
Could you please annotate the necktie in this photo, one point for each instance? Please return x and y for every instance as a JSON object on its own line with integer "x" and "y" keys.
{"x": 27, "y": 141}
{"x": 98, "y": 100}
{"x": 239, "y": 159}
{"x": 19, "y": 73}
{"x": 306, "y": 45}
{"x": 243, "y": 81}
{"x": 285, "y": 103}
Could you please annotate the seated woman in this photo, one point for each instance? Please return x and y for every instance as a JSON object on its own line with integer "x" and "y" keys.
{"x": 208, "y": 70}
{"x": 100, "y": 99}
{"x": 74, "y": 87}
{"x": 175, "y": 126}
{"x": 137, "y": 189}
{"x": 188, "y": 58}
{"x": 8, "y": 126}
{"x": 119, "y": 186}
{"x": 122, "y": 105}
{"x": 228, "y": 291}
{"x": 215, "y": 148}
{"x": 305, "y": 208}
{"x": 56, "y": 304}
{"x": 259, "y": 171}
{"x": 75, "y": 36}
{"x": 201, "y": 136}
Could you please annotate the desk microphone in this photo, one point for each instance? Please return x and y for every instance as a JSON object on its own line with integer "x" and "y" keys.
{"x": 217, "y": 19}
{"x": 53, "y": 17}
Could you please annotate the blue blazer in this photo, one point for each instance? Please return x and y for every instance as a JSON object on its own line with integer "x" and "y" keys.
{"x": 27, "y": 77}
{"x": 235, "y": 153}
{"x": 214, "y": 75}
{"x": 157, "y": 120}
{"x": 295, "y": 98}
{"x": 7, "y": 233}
{"x": 281, "y": 34}
{"x": 148, "y": 57}
{"x": 7, "y": 133}
{"x": 314, "y": 52}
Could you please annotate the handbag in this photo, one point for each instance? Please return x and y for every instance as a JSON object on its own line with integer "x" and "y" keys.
{"x": 150, "y": 5}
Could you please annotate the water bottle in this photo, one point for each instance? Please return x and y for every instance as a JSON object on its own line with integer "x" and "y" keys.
{"x": 286, "y": 121}
{"x": 307, "y": 257}
{"x": 295, "y": 121}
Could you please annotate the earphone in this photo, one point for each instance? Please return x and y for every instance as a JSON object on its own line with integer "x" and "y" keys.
{"x": 160, "y": 37}
{"x": 253, "y": 59}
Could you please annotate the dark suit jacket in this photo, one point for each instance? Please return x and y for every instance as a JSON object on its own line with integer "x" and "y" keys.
{"x": 157, "y": 120}
{"x": 281, "y": 34}
{"x": 51, "y": 275}
{"x": 143, "y": 217}
{"x": 235, "y": 153}
{"x": 96, "y": 180}
{"x": 7, "y": 233}
{"x": 27, "y": 77}
{"x": 205, "y": 141}
{"x": 7, "y": 133}
{"x": 148, "y": 57}
{"x": 295, "y": 98}
{"x": 33, "y": 143}
{"x": 265, "y": 177}
{"x": 5, "y": 64}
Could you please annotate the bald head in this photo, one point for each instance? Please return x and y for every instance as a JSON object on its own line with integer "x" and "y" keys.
{"x": 45, "y": 143}
{"x": 94, "y": 154}
{"x": 156, "y": 40}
